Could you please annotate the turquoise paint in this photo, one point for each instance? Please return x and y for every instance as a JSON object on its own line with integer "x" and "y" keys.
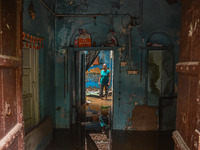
{"x": 92, "y": 79}
{"x": 158, "y": 16}
{"x": 43, "y": 26}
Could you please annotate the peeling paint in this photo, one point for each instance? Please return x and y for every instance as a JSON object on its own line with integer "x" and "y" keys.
{"x": 8, "y": 26}
{"x": 130, "y": 91}
{"x": 43, "y": 26}
{"x": 193, "y": 28}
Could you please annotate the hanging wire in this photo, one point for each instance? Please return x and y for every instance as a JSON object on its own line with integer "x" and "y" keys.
{"x": 95, "y": 20}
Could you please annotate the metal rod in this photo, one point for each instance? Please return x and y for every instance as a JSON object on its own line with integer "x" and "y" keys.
{"x": 67, "y": 70}
{"x": 141, "y": 69}
{"x": 48, "y": 7}
{"x": 79, "y": 15}
{"x": 130, "y": 48}
{"x": 141, "y": 11}
{"x": 64, "y": 76}
{"x": 89, "y": 15}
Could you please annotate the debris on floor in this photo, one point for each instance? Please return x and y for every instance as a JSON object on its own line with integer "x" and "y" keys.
{"x": 88, "y": 101}
{"x": 95, "y": 92}
{"x": 101, "y": 140}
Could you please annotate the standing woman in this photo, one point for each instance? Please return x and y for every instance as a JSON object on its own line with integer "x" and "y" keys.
{"x": 104, "y": 81}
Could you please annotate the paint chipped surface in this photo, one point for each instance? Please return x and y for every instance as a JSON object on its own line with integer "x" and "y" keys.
{"x": 67, "y": 29}
{"x": 193, "y": 28}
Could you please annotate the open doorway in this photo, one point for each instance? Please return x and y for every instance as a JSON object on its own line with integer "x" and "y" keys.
{"x": 99, "y": 98}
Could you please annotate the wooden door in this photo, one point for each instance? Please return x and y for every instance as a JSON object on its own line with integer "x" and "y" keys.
{"x": 11, "y": 120}
{"x": 187, "y": 134}
{"x": 30, "y": 87}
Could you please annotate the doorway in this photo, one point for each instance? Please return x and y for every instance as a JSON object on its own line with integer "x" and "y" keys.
{"x": 161, "y": 81}
{"x": 98, "y": 108}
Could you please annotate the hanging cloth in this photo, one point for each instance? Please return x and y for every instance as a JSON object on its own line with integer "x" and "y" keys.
{"x": 90, "y": 58}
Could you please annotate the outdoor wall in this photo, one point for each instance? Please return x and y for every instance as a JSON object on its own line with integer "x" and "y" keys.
{"x": 130, "y": 90}
{"x": 43, "y": 26}
{"x": 93, "y": 73}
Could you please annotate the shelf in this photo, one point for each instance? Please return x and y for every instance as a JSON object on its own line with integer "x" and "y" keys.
{"x": 90, "y": 48}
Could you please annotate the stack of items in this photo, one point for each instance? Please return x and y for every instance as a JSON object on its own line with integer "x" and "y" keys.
{"x": 83, "y": 39}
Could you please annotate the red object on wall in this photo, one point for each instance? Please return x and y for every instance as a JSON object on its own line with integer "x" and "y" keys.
{"x": 85, "y": 42}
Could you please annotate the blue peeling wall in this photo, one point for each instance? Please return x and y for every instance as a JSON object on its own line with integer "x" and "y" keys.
{"x": 129, "y": 90}
{"x": 43, "y": 26}
{"x": 92, "y": 78}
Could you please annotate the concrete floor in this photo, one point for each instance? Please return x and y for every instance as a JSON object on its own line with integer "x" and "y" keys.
{"x": 74, "y": 139}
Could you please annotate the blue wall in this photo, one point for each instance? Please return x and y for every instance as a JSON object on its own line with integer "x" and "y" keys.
{"x": 92, "y": 79}
{"x": 158, "y": 16}
{"x": 43, "y": 26}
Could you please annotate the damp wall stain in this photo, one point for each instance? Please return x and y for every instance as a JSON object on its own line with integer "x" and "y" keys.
{"x": 43, "y": 26}
{"x": 157, "y": 17}
{"x": 154, "y": 74}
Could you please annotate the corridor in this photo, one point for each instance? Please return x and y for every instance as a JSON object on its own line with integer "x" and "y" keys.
{"x": 99, "y": 75}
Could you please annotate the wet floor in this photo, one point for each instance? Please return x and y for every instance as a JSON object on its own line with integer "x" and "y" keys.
{"x": 74, "y": 139}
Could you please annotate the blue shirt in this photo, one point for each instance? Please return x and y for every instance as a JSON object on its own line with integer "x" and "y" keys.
{"x": 104, "y": 77}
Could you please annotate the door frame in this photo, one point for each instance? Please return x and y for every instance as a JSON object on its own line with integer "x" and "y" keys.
{"x": 37, "y": 102}
{"x": 115, "y": 53}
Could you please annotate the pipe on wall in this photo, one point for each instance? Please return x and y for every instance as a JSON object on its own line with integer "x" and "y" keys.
{"x": 80, "y": 15}
{"x": 48, "y": 7}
